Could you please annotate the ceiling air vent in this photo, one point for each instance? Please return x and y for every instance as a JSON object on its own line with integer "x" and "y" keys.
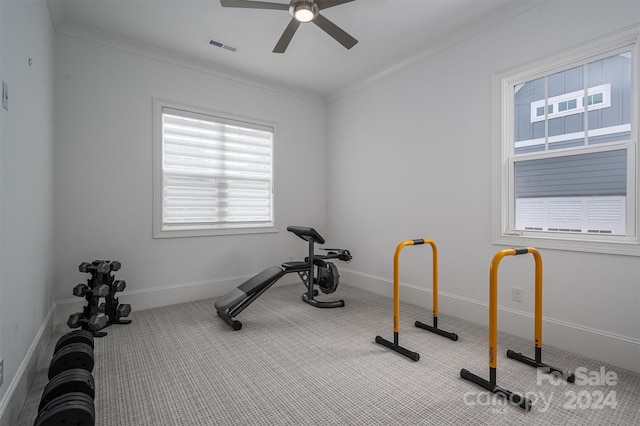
{"x": 222, "y": 45}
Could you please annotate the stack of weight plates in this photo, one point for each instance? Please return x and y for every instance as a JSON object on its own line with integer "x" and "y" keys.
{"x": 68, "y": 397}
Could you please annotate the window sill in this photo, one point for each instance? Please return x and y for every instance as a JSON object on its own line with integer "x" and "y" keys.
{"x": 624, "y": 246}
{"x": 208, "y": 232}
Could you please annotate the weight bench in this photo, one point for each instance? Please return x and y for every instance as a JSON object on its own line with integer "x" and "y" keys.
{"x": 326, "y": 277}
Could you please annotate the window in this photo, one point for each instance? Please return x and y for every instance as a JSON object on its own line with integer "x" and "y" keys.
{"x": 213, "y": 175}
{"x": 566, "y": 150}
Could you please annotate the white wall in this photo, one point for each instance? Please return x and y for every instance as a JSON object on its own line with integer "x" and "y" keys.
{"x": 26, "y": 175}
{"x": 397, "y": 165}
{"x": 103, "y": 183}
{"x": 409, "y": 156}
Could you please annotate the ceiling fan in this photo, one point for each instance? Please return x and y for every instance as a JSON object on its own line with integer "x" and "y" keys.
{"x": 302, "y": 11}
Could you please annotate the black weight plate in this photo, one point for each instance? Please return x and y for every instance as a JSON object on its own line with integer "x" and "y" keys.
{"x": 69, "y": 413}
{"x": 76, "y": 336}
{"x": 75, "y": 355}
{"x": 75, "y": 397}
{"x": 74, "y": 380}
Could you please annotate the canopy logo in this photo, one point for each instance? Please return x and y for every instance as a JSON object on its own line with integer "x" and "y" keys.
{"x": 597, "y": 396}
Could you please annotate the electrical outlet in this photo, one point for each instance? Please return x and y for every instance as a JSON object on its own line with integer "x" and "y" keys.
{"x": 1, "y": 371}
{"x": 516, "y": 294}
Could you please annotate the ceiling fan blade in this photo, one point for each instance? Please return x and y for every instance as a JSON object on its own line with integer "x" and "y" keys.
{"x": 254, "y": 4}
{"x": 335, "y": 31}
{"x": 323, "y": 4}
{"x": 286, "y": 36}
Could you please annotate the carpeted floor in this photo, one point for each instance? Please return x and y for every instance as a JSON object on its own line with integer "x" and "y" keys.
{"x": 292, "y": 364}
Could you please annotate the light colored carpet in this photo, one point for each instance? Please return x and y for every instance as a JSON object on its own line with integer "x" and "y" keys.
{"x": 293, "y": 364}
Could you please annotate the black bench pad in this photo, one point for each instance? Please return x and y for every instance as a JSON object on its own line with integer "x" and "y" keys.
{"x": 249, "y": 287}
{"x": 306, "y": 233}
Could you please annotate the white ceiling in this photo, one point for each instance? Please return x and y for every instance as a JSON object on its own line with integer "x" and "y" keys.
{"x": 391, "y": 33}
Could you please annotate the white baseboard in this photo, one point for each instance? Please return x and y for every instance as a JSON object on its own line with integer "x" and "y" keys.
{"x": 18, "y": 390}
{"x": 164, "y": 296}
{"x": 609, "y": 348}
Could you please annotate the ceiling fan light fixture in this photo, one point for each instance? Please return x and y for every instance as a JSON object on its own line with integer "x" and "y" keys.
{"x": 304, "y": 10}
{"x": 303, "y": 14}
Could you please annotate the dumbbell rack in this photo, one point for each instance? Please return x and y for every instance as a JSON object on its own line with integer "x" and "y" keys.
{"x": 102, "y": 284}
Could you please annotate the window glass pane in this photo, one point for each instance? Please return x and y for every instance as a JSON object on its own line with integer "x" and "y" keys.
{"x": 567, "y": 81}
{"x": 529, "y": 126}
{"x": 575, "y": 193}
{"x": 610, "y": 109}
{"x": 566, "y": 130}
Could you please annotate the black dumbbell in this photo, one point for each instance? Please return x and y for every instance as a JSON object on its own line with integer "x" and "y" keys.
{"x": 84, "y": 267}
{"x": 119, "y": 285}
{"x": 74, "y": 408}
{"x": 74, "y": 380}
{"x": 75, "y": 336}
{"x": 98, "y": 321}
{"x": 104, "y": 267}
{"x": 101, "y": 290}
{"x": 80, "y": 290}
{"x": 123, "y": 310}
{"x": 74, "y": 320}
{"x": 75, "y": 355}
{"x": 115, "y": 265}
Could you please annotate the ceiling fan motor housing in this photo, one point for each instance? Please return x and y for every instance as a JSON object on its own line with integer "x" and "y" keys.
{"x": 304, "y": 10}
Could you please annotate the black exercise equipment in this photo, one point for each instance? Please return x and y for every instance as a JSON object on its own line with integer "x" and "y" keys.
{"x": 75, "y": 336}
{"x": 74, "y": 355}
{"x": 73, "y": 380}
{"x": 102, "y": 284}
{"x": 95, "y": 322}
{"x": 68, "y": 397}
{"x": 74, "y": 408}
{"x": 326, "y": 278}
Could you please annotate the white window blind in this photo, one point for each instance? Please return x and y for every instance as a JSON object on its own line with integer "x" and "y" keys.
{"x": 217, "y": 173}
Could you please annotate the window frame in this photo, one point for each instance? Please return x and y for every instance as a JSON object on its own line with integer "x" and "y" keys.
{"x": 503, "y": 190}
{"x": 159, "y": 230}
